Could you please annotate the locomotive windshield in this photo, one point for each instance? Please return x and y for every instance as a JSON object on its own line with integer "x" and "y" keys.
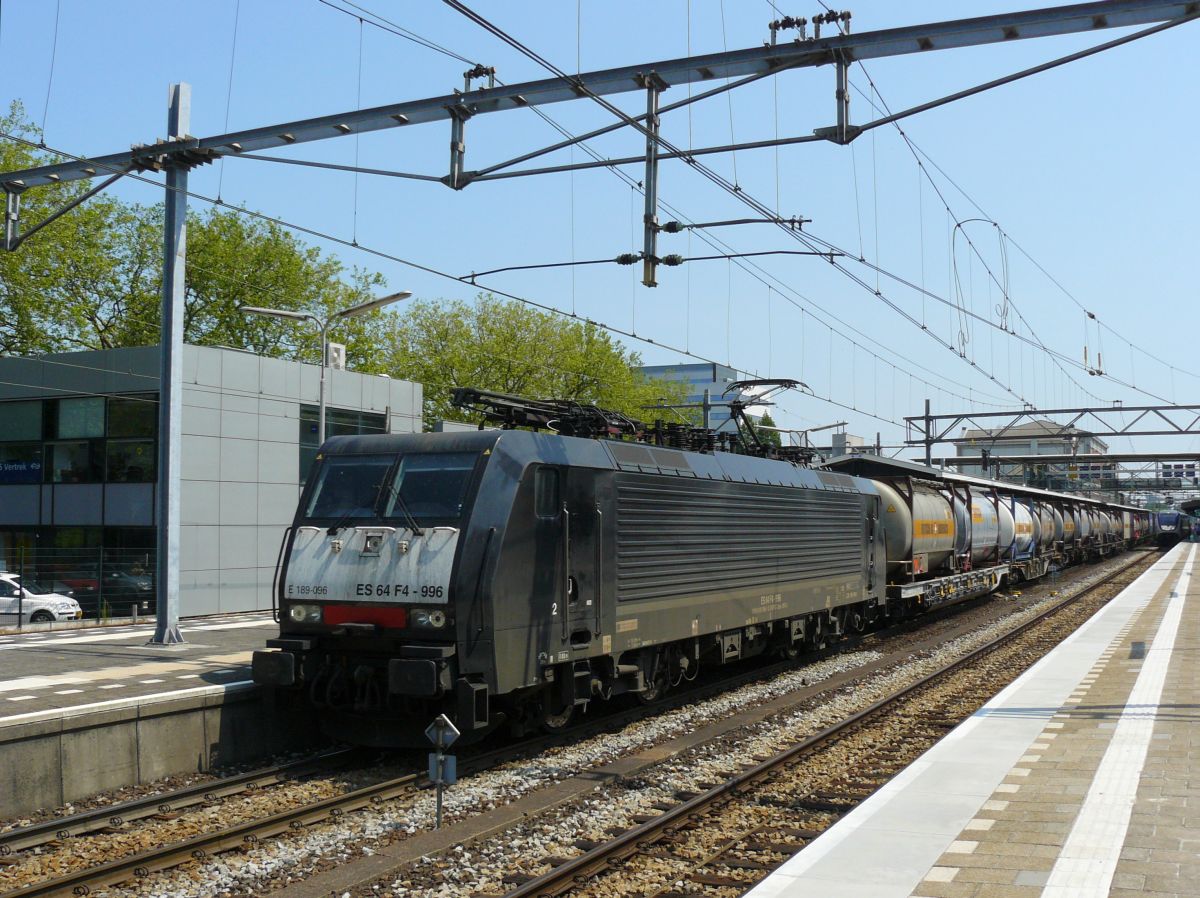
{"x": 425, "y": 485}
{"x": 349, "y": 486}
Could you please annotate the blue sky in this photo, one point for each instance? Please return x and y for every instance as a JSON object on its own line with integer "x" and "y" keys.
{"x": 1089, "y": 169}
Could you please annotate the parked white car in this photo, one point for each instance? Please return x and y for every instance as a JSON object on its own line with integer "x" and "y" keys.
{"x": 36, "y": 605}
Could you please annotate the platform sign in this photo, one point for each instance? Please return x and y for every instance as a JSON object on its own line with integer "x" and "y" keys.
{"x": 442, "y": 732}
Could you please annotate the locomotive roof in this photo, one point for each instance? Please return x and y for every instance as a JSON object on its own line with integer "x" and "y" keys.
{"x": 527, "y": 446}
{"x": 865, "y": 465}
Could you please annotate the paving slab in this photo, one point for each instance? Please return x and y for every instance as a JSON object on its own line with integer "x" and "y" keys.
{"x": 1081, "y": 778}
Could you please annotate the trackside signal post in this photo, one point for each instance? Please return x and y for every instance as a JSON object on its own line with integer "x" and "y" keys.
{"x": 443, "y": 768}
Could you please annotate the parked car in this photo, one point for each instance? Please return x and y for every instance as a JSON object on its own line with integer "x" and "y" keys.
{"x": 33, "y": 603}
{"x": 121, "y": 588}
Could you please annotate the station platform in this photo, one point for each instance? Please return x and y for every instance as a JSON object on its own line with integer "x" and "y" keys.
{"x": 67, "y": 668}
{"x": 1081, "y": 778}
{"x": 84, "y": 711}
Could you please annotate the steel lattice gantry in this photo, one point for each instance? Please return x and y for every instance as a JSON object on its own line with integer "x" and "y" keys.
{"x": 753, "y": 61}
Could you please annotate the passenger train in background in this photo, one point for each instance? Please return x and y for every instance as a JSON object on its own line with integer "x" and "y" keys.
{"x": 1172, "y": 527}
{"x": 515, "y": 575}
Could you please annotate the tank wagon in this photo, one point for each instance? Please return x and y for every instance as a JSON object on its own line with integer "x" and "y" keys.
{"x": 515, "y": 576}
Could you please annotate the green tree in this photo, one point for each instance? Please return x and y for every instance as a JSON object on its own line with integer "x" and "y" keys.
{"x": 508, "y": 347}
{"x": 769, "y": 437}
{"x": 92, "y": 279}
{"x": 72, "y": 284}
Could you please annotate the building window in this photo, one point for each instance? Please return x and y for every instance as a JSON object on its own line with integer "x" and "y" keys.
{"x": 20, "y": 463}
{"x": 338, "y": 422}
{"x": 80, "y": 418}
{"x": 73, "y": 462}
{"x": 130, "y": 461}
{"x": 133, "y": 416}
{"x": 22, "y": 421}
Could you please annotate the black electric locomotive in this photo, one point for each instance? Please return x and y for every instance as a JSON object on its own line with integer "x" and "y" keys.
{"x": 515, "y": 576}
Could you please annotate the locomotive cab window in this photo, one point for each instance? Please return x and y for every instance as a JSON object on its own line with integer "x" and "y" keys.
{"x": 545, "y": 492}
{"x": 430, "y": 486}
{"x": 349, "y": 486}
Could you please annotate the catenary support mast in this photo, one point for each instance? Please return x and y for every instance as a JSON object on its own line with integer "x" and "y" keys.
{"x": 170, "y": 389}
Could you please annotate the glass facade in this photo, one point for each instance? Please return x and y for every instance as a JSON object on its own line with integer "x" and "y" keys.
{"x": 338, "y": 422}
{"x": 91, "y": 439}
{"x": 108, "y": 570}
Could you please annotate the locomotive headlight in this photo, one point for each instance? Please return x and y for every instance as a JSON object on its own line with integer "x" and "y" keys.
{"x": 424, "y": 618}
{"x": 305, "y": 614}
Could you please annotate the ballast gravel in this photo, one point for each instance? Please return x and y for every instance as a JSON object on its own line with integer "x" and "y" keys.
{"x": 482, "y": 866}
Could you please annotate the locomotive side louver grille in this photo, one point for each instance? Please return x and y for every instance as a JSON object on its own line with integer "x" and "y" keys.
{"x": 684, "y": 537}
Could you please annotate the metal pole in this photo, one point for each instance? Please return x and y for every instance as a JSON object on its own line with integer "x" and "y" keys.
{"x": 170, "y": 388}
{"x": 842, "y": 94}
{"x": 324, "y": 325}
{"x": 21, "y": 590}
{"x": 441, "y": 784}
{"x": 928, "y": 436}
{"x": 12, "y": 211}
{"x": 707, "y": 406}
{"x": 650, "y": 215}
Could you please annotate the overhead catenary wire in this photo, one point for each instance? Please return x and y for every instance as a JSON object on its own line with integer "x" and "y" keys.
{"x": 736, "y": 191}
{"x": 892, "y": 365}
{"x": 571, "y": 138}
{"x": 237, "y": 14}
{"x": 53, "y": 61}
{"x": 631, "y": 258}
{"x": 711, "y": 239}
{"x": 919, "y": 153}
{"x": 418, "y": 266}
{"x": 733, "y": 189}
{"x": 908, "y": 142}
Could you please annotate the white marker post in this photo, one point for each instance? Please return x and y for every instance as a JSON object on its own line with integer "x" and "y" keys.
{"x": 443, "y": 768}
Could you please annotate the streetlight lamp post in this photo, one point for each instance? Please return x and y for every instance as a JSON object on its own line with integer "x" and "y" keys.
{"x": 323, "y": 325}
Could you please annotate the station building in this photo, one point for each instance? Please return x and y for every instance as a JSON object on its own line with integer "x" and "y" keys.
{"x": 78, "y": 452}
{"x": 700, "y": 377}
{"x": 1042, "y": 437}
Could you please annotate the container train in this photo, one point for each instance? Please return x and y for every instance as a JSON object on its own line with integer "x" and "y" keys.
{"x": 514, "y": 576}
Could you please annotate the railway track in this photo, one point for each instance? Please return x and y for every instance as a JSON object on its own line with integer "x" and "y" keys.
{"x": 726, "y": 839}
{"x": 160, "y": 805}
{"x": 62, "y": 832}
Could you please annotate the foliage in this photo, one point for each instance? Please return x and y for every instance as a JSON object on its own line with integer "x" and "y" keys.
{"x": 505, "y": 346}
{"x": 92, "y": 279}
{"x": 70, "y": 285}
{"x": 769, "y": 437}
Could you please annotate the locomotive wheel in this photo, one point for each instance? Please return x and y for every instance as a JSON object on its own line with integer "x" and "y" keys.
{"x": 656, "y": 688}
{"x": 556, "y": 723}
{"x": 856, "y": 620}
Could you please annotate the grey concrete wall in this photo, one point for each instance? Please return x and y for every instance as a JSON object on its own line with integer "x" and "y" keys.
{"x": 240, "y": 457}
{"x": 47, "y": 763}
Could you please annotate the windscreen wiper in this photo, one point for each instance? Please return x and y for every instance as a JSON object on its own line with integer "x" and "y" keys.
{"x": 399, "y": 501}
